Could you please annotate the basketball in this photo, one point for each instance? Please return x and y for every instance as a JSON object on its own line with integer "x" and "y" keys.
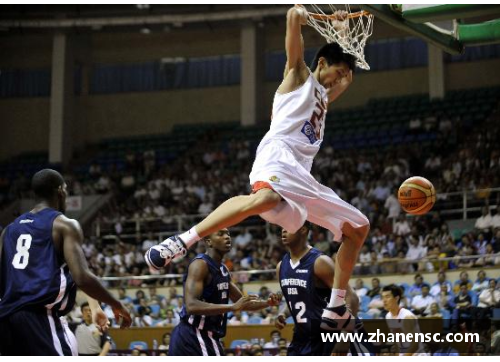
{"x": 417, "y": 195}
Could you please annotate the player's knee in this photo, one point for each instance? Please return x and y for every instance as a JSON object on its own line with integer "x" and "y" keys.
{"x": 265, "y": 200}
{"x": 357, "y": 234}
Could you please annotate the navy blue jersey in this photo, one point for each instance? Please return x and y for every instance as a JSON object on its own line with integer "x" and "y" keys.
{"x": 215, "y": 292}
{"x": 32, "y": 276}
{"x": 305, "y": 301}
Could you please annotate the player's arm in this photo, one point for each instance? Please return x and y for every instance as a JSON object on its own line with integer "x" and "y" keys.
{"x": 294, "y": 43}
{"x": 324, "y": 270}
{"x": 284, "y": 312}
{"x": 337, "y": 90}
{"x": 98, "y": 315}
{"x": 72, "y": 237}
{"x": 197, "y": 274}
{"x": 105, "y": 349}
{"x": 409, "y": 324}
{"x": 235, "y": 294}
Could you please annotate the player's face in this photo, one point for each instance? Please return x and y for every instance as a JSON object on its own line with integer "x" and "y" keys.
{"x": 289, "y": 238}
{"x": 221, "y": 240}
{"x": 331, "y": 75}
{"x": 87, "y": 315}
{"x": 390, "y": 302}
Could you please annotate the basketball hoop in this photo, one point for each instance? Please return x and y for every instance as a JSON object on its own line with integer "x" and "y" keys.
{"x": 350, "y": 32}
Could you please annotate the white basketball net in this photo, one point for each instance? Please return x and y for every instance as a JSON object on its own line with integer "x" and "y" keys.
{"x": 351, "y": 34}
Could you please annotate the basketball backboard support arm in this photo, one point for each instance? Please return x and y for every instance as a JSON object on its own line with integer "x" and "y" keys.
{"x": 449, "y": 12}
{"x": 443, "y": 41}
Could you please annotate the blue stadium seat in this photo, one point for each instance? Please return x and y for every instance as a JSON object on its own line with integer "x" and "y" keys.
{"x": 446, "y": 318}
{"x": 290, "y": 320}
{"x": 155, "y": 308}
{"x": 255, "y": 320}
{"x": 364, "y": 315}
{"x": 238, "y": 342}
{"x": 365, "y": 300}
{"x": 138, "y": 344}
{"x": 496, "y": 314}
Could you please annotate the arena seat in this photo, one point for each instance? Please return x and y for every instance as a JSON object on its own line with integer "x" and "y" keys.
{"x": 255, "y": 320}
{"x": 138, "y": 345}
{"x": 239, "y": 343}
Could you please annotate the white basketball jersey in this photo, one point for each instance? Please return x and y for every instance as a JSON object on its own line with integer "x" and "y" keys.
{"x": 395, "y": 324}
{"x": 299, "y": 120}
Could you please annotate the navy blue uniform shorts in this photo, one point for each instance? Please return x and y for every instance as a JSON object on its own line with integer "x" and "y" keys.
{"x": 35, "y": 333}
{"x": 187, "y": 340}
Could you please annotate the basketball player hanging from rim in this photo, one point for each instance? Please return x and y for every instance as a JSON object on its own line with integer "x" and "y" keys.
{"x": 283, "y": 190}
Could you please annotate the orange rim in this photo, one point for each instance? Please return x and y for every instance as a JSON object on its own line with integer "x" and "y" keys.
{"x": 333, "y": 17}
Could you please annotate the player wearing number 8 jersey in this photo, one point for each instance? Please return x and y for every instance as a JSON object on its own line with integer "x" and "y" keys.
{"x": 41, "y": 263}
{"x": 284, "y": 191}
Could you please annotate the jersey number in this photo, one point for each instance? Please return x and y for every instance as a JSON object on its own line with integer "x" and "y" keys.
{"x": 22, "y": 256}
{"x": 301, "y": 306}
{"x": 318, "y": 116}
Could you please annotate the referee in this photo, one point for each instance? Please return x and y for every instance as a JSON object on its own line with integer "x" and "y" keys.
{"x": 91, "y": 341}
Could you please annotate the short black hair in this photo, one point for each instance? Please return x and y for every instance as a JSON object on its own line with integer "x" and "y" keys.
{"x": 333, "y": 54}
{"x": 464, "y": 284}
{"x": 45, "y": 183}
{"x": 85, "y": 304}
{"x": 425, "y": 285}
{"x": 394, "y": 289}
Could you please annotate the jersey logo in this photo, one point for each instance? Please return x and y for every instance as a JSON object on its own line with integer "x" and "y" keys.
{"x": 303, "y": 271}
{"x": 274, "y": 179}
{"x": 25, "y": 221}
{"x": 308, "y": 130}
{"x": 224, "y": 272}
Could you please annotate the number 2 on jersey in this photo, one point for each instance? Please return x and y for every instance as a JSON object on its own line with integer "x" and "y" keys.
{"x": 22, "y": 256}
{"x": 301, "y": 306}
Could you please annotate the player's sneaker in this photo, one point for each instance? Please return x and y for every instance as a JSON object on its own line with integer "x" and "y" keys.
{"x": 161, "y": 255}
{"x": 338, "y": 319}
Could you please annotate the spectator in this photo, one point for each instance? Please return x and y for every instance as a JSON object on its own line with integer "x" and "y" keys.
{"x": 171, "y": 319}
{"x": 365, "y": 260}
{"x": 463, "y": 304}
{"x": 415, "y": 252}
{"x": 123, "y": 297}
{"x": 243, "y": 239}
{"x": 480, "y": 244}
{"x": 275, "y": 337}
{"x": 143, "y": 318}
{"x": 401, "y": 227}
{"x": 421, "y": 303}
{"x": 484, "y": 222}
{"x": 445, "y": 298}
{"x": 481, "y": 282}
{"x": 464, "y": 278}
{"x": 392, "y": 204}
{"x": 434, "y": 311}
{"x": 437, "y": 286}
{"x": 165, "y": 341}
{"x": 488, "y": 299}
{"x": 495, "y": 220}
{"x": 376, "y": 289}
{"x": 360, "y": 288}
{"x": 416, "y": 288}
{"x": 149, "y": 242}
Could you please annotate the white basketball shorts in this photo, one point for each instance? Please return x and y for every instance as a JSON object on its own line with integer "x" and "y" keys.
{"x": 305, "y": 198}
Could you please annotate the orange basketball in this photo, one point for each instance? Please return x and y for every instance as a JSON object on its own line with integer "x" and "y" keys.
{"x": 417, "y": 195}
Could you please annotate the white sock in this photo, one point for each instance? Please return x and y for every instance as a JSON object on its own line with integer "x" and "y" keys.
{"x": 190, "y": 237}
{"x": 337, "y": 299}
